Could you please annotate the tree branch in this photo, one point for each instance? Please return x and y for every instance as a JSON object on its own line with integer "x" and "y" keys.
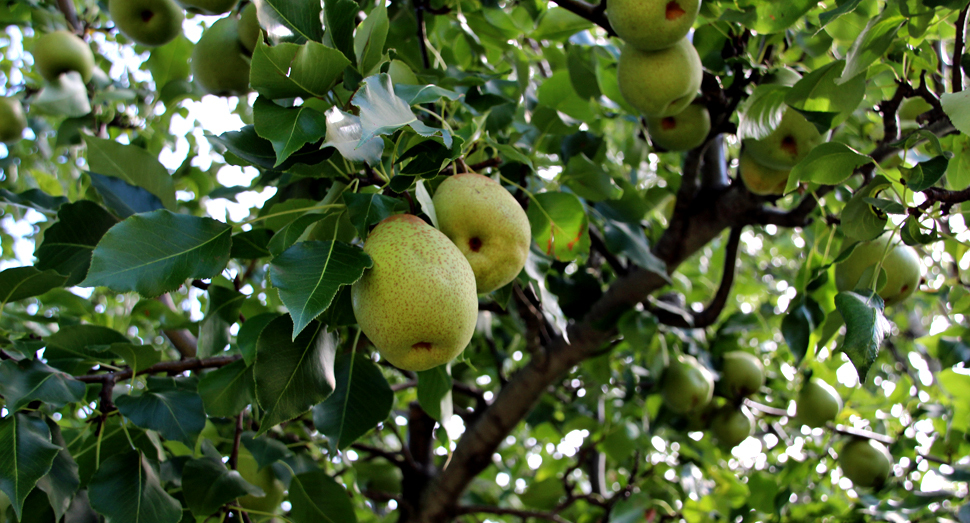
{"x": 961, "y": 30}
{"x": 174, "y": 367}
{"x": 593, "y": 13}
{"x": 484, "y": 509}
{"x": 70, "y": 14}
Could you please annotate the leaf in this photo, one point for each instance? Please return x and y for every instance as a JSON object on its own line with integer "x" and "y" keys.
{"x": 251, "y": 244}
{"x": 309, "y": 274}
{"x": 874, "y": 41}
{"x": 249, "y": 334}
{"x": 361, "y": 400}
{"x": 434, "y": 392}
{"x": 66, "y": 96}
{"x": 21, "y": 283}
{"x": 208, "y": 485}
{"x": 859, "y": 220}
{"x": 830, "y": 163}
{"x": 156, "y": 252}
{"x": 248, "y": 146}
{"x": 138, "y": 357}
{"x": 925, "y": 174}
{"x": 621, "y": 237}
{"x": 344, "y": 132}
{"x": 367, "y": 209}
{"x": 558, "y": 23}
{"x": 288, "y": 128}
{"x": 265, "y": 450}
{"x": 176, "y": 414}
{"x": 301, "y": 19}
{"x": 122, "y": 197}
{"x": 292, "y": 232}
{"x": 132, "y": 164}
{"x": 957, "y": 107}
{"x": 68, "y": 243}
{"x": 26, "y": 455}
{"x": 62, "y": 482}
{"x": 426, "y": 202}
{"x": 289, "y": 70}
{"x": 383, "y": 112}
{"x": 802, "y": 319}
{"x": 843, "y": 8}
{"x": 292, "y": 375}
{"x": 821, "y": 96}
{"x": 912, "y": 233}
{"x": 428, "y": 158}
{"x": 340, "y": 21}
{"x": 171, "y": 61}
{"x": 317, "y": 498}
{"x": 221, "y": 313}
{"x": 24, "y": 381}
{"x": 74, "y": 347}
{"x": 228, "y": 390}
{"x": 772, "y": 17}
{"x": 589, "y": 180}
{"x": 423, "y": 94}
{"x": 761, "y": 113}
{"x": 33, "y": 199}
{"x": 865, "y": 328}
{"x": 128, "y": 489}
{"x": 369, "y": 40}
{"x": 559, "y": 225}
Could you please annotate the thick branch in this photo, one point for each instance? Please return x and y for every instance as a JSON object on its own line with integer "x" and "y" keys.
{"x": 961, "y": 30}
{"x": 70, "y": 14}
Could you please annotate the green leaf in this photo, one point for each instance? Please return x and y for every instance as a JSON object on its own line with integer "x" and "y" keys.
{"x": 288, "y": 128}
{"x": 68, "y": 244}
{"x": 171, "y": 61}
{"x": 227, "y": 391}
{"x": 423, "y": 94}
{"x": 843, "y": 8}
{"x": 21, "y": 283}
{"x": 912, "y": 233}
{"x": 26, "y": 455}
{"x": 176, "y": 414}
{"x": 874, "y": 41}
{"x": 131, "y": 164}
{"x": 292, "y": 375}
{"x": 290, "y": 70}
{"x": 367, "y": 209}
{"x": 621, "y": 237}
{"x": 265, "y": 450}
{"x": 830, "y": 163}
{"x": 251, "y": 244}
{"x": 317, "y": 498}
{"x": 62, "y": 482}
{"x": 798, "y": 324}
{"x": 589, "y": 180}
{"x": 558, "y": 23}
{"x": 33, "y": 199}
{"x": 74, "y": 348}
{"x": 925, "y": 174}
{"x": 156, "y": 252}
{"x": 434, "y": 392}
{"x": 865, "y": 328}
{"x": 299, "y": 18}
{"x": 428, "y": 158}
{"x": 919, "y": 136}
{"x": 886, "y": 206}
{"x": 249, "y": 334}
{"x": 859, "y": 220}
{"x": 292, "y": 232}
{"x": 128, "y": 489}
{"x": 122, "y": 197}
{"x": 361, "y": 400}
{"x": 821, "y": 95}
{"x": 772, "y": 17}
{"x": 221, "y": 313}
{"x": 248, "y": 146}
{"x": 383, "y": 112}
{"x": 208, "y": 485}
{"x": 582, "y": 72}
{"x": 369, "y": 40}
{"x": 957, "y": 107}
{"x": 309, "y": 274}
{"x": 761, "y": 113}
{"x": 559, "y": 225}
{"x": 341, "y": 20}
{"x": 24, "y": 381}
{"x": 138, "y": 357}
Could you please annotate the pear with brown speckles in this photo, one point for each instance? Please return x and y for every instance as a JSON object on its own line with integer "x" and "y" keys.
{"x": 417, "y": 304}
{"x": 488, "y": 226}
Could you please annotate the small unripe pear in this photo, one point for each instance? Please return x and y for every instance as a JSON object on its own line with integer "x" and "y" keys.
{"x": 818, "y": 403}
{"x": 417, "y": 304}
{"x": 742, "y": 374}
{"x": 866, "y": 462}
{"x": 732, "y": 425}
{"x": 687, "y": 385}
{"x": 61, "y": 52}
{"x": 902, "y": 265}
{"x": 218, "y": 63}
{"x": 12, "y": 119}
{"x": 147, "y": 22}
{"x": 760, "y": 179}
{"x": 249, "y": 27}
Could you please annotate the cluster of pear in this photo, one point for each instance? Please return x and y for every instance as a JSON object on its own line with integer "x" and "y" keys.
{"x": 766, "y": 162}
{"x": 861, "y": 270}
{"x": 418, "y": 304}
{"x": 220, "y": 60}
{"x": 659, "y": 71}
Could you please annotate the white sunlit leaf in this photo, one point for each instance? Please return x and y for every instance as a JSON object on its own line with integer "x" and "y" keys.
{"x": 380, "y": 109}
{"x": 344, "y": 132}
{"x": 65, "y": 97}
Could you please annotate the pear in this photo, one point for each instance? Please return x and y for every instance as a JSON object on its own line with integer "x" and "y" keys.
{"x": 732, "y": 425}
{"x": 818, "y": 403}
{"x": 660, "y": 83}
{"x": 249, "y": 27}
{"x": 866, "y": 462}
{"x": 487, "y": 224}
{"x": 682, "y": 131}
{"x": 219, "y": 64}
{"x": 60, "y": 52}
{"x": 686, "y": 386}
{"x": 788, "y": 144}
{"x": 12, "y": 119}
{"x": 147, "y": 22}
{"x": 901, "y": 263}
{"x": 417, "y": 304}
{"x": 742, "y": 374}
{"x": 650, "y": 25}
{"x": 760, "y": 179}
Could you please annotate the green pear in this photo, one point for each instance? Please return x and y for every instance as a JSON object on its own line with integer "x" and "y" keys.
{"x": 660, "y": 83}
{"x": 901, "y": 263}
{"x": 263, "y": 478}
{"x": 791, "y": 141}
{"x": 650, "y": 25}
{"x": 731, "y": 425}
{"x": 219, "y": 64}
{"x": 60, "y": 52}
{"x": 12, "y": 119}
{"x": 417, "y": 304}
{"x": 486, "y": 223}
{"x": 208, "y": 7}
{"x": 682, "y": 131}
{"x": 817, "y": 404}
{"x": 760, "y": 179}
{"x": 866, "y": 462}
{"x": 686, "y": 386}
{"x": 147, "y": 22}
{"x": 249, "y": 27}
{"x": 742, "y": 374}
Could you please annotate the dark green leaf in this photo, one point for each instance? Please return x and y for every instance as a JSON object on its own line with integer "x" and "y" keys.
{"x": 221, "y": 313}
{"x": 369, "y": 40}
{"x": 886, "y": 206}
{"x": 156, "y": 252}
{"x": 427, "y": 159}
{"x": 925, "y": 174}
{"x": 843, "y": 8}
{"x": 132, "y": 164}
{"x": 859, "y": 220}
{"x": 361, "y": 400}
{"x": 34, "y": 199}
{"x": 288, "y": 128}
{"x": 175, "y": 414}
{"x": 624, "y": 238}
{"x": 434, "y": 392}
{"x": 559, "y": 225}
{"x": 249, "y": 333}
{"x": 62, "y": 482}
{"x": 227, "y": 391}
{"x": 122, "y": 197}
{"x": 20, "y": 283}
{"x": 875, "y": 39}
{"x": 912, "y": 233}
{"x": 127, "y": 489}
{"x": 26, "y": 455}
{"x": 367, "y": 209}
{"x": 251, "y": 244}
{"x": 341, "y": 20}
{"x": 798, "y": 324}
{"x": 309, "y": 274}
{"x": 138, "y": 357}
{"x": 589, "y": 180}
{"x": 24, "y": 381}
{"x": 68, "y": 244}
{"x": 290, "y": 70}
{"x": 292, "y": 232}
{"x": 265, "y": 450}
{"x": 208, "y": 485}
{"x": 292, "y": 375}
{"x": 74, "y": 347}
{"x": 317, "y": 498}
{"x": 300, "y": 18}
{"x": 422, "y": 94}
{"x": 865, "y": 328}
{"x": 248, "y": 146}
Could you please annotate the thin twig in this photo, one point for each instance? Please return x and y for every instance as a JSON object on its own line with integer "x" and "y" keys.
{"x": 237, "y": 438}
{"x": 175, "y": 367}
{"x": 961, "y": 30}
{"x": 593, "y": 13}
{"x": 70, "y": 14}
{"x": 482, "y": 509}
